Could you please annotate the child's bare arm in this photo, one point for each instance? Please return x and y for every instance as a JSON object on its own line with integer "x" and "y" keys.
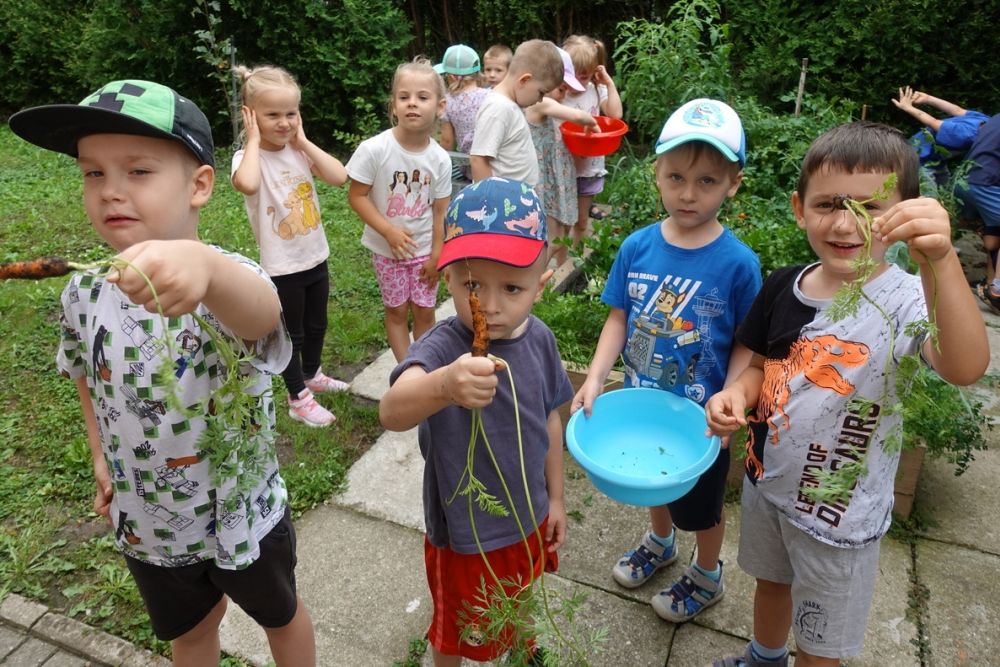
{"x": 481, "y": 166}
{"x": 447, "y": 136}
{"x": 612, "y": 106}
{"x": 907, "y": 99}
{"x": 609, "y": 346}
{"x": 324, "y": 165}
{"x": 963, "y": 351}
{"x": 416, "y": 395}
{"x": 555, "y": 532}
{"x": 400, "y": 242}
{"x": 947, "y": 107}
{"x": 548, "y": 107}
{"x": 246, "y": 178}
{"x": 439, "y": 208}
{"x": 725, "y": 412}
{"x": 102, "y": 476}
{"x": 184, "y": 273}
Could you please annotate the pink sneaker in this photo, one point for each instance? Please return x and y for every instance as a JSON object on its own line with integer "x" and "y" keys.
{"x": 324, "y": 384}
{"x": 305, "y": 409}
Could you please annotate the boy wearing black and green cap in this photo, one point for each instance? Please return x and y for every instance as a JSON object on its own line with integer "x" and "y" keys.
{"x": 146, "y": 157}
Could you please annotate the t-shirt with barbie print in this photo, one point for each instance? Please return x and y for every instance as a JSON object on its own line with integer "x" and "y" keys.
{"x": 404, "y": 184}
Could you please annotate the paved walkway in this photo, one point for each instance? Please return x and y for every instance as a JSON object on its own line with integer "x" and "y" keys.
{"x": 360, "y": 573}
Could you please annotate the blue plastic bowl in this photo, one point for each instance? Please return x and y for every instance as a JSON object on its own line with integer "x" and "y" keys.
{"x": 642, "y": 446}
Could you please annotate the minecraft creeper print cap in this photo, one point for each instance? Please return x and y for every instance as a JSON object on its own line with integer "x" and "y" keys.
{"x": 121, "y": 107}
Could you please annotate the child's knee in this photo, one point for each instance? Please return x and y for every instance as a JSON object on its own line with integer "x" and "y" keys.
{"x": 207, "y": 627}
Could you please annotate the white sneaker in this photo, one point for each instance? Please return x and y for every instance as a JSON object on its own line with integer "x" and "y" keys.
{"x": 305, "y": 409}
{"x": 324, "y": 384}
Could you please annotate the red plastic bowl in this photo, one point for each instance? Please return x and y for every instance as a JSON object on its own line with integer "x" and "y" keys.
{"x": 594, "y": 144}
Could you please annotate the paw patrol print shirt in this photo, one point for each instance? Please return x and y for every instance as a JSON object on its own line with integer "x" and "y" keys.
{"x": 806, "y": 420}
{"x": 166, "y": 510}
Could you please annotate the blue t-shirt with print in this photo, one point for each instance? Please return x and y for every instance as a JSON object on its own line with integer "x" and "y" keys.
{"x": 682, "y": 308}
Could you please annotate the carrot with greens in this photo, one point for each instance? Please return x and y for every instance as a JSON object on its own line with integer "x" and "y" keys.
{"x": 37, "y": 269}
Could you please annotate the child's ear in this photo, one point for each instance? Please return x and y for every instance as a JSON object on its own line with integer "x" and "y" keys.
{"x": 798, "y": 210}
{"x": 524, "y": 78}
{"x": 203, "y": 179}
{"x": 737, "y": 180}
{"x": 546, "y": 277}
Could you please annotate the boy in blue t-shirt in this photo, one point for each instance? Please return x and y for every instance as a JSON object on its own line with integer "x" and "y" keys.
{"x": 677, "y": 290}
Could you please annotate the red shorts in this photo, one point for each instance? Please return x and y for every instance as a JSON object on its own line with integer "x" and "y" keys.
{"x": 456, "y": 579}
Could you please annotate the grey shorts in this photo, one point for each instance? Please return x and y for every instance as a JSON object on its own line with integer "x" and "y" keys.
{"x": 832, "y": 587}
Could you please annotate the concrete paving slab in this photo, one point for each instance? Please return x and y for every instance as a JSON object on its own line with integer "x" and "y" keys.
{"x": 363, "y": 582}
{"x": 21, "y": 611}
{"x": 10, "y": 639}
{"x": 386, "y": 482}
{"x": 32, "y": 653}
{"x": 64, "y": 659}
{"x": 964, "y": 508}
{"x": 92, "y": 642}
{"x": 962, "y": 614}
{"x": 696, "y": 646}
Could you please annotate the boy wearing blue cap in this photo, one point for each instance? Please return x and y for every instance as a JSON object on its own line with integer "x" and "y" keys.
{"x": 190, "y": 540}
{"x": 495, "y": 247}
{"x": 677, "y": 290}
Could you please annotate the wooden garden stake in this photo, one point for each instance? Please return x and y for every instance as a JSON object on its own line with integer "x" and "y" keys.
{"x": 802, "y": 86}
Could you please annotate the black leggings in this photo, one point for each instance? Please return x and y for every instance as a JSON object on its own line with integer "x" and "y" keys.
{"x": 304, "y": 298}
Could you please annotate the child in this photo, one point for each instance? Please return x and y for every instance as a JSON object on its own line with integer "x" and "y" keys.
{"x": 440, "y": 383}
{"x": 818, "y": 560}
{"x": 677, "y": 290}
{"x": 496, "y": 62}
{"x": 459, "y": 67}
{"x": 502, "y": 143}
{"x": 405, "y": 233}
{"x": 146, "y": 157}
{"x": 600, "y": 97}
{"x": 557, "y": 172}
{"x": 981, "y": 199}
{"x": 274, "y": 171}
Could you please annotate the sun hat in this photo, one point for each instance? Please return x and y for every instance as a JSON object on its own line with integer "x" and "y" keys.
{"x": 569, "y": 72}
{"x": 495, "y": 218}
{"x": 459, "y": 59}
{"x": 121, "y": 107}
{"x": 711, "y": 121}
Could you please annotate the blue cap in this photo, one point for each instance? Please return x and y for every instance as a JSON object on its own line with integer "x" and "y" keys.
{"x": 497, "y": 219}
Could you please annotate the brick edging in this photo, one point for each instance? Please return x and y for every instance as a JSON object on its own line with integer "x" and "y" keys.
{"x": 72, "y": 635}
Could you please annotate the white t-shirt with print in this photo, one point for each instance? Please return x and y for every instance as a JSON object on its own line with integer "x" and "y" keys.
{"x": 166, "y": 509}
{"x": 404, "y": 185}
{"x": 590, "y": 101}
{"x": 284, "y": 213}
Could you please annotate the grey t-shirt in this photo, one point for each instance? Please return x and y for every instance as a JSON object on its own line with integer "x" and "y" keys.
{"x": 541, "y": 386}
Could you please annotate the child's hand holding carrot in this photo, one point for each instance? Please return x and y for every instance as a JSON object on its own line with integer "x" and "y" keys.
{"x": 168, "y": 276}
{"x": 923, "y": 223}
{"x": 470, "y": 382}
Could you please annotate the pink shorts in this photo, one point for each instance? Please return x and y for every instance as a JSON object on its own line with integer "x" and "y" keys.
{"x": 399, "y": 280}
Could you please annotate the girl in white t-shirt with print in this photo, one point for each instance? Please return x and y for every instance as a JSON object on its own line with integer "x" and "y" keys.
{"x": 405, "y": 233}
{"x": 274, "y": 171}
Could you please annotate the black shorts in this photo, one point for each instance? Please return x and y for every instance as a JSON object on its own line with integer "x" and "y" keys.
{"x": 178, "y": 598}
{"x": 701, "y": 508}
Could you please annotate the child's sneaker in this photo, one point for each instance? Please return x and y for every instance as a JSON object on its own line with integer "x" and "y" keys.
{"x": 305, "y": 409}
{"x": 748, "y": 660}
{"x": 638, "y": 565}
{"x": 689, "y": 596}
{"x": 324, "y": 384}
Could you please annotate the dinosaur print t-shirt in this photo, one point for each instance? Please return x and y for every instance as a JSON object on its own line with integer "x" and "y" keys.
{"x": 806, "y": 421}
{"x": 284, "y": 213}
{"x": 169, "y": 507}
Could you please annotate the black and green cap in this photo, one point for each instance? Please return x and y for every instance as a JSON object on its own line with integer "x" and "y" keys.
{"x": 120, "y": 107}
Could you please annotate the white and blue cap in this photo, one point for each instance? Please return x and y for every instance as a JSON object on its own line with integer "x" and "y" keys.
{"x": 711, "y": 121}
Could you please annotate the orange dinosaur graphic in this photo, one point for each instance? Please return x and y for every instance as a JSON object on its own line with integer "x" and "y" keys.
{"x": 815, "y": 359}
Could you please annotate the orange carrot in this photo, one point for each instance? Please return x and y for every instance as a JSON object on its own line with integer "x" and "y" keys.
{"x": 480, "y": 329}
{"x": 36, "y": 269}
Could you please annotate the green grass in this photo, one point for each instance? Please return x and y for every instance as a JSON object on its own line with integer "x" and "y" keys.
{"x": 52, "y": 547}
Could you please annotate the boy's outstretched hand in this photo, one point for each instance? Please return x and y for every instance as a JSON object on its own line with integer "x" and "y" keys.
{"x": 923, "y": 223}
{"x": 179, "y": 271}
{"x": 725, "y": 413}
